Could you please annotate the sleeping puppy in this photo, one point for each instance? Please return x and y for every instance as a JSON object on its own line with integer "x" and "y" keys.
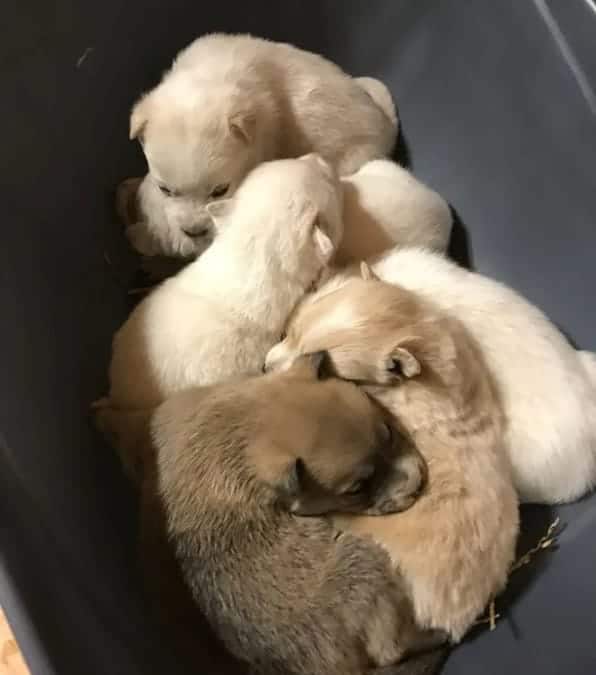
{"x": 289, "y": 595}
{"x": 454, "y": 547}
{"x": 219, "y": 316}
{"x": 230, "y": 102}
{"x": 547, "y": 388}
{"x": 384, "y": 206}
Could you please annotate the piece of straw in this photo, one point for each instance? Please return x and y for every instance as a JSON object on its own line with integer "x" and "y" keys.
{"x": 545, "y": 542}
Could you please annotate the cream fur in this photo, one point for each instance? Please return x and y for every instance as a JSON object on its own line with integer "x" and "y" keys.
{"x": 384, "y": 206}
{"x": 455, "y": 545}
{"x": 230, "y": 102}
{"x": 547, "y": 388}
{"x": 217, "y": 318}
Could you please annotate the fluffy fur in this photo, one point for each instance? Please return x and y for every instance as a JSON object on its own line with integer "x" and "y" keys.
{"x": 230, "y": 102}
{"x": 384, "y": 206}
{"x": 455, "y": 546}
{"x": 547, "y": 388}
{"x": 287, "y": 595}
{"x": 217, "y": 318}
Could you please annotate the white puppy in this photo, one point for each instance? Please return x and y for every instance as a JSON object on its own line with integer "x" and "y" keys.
{"x": 384, "y": 206}
{"x": 230, "y": 102}
{"x": 217, "y": 318}
{"x": 546, "y": 387}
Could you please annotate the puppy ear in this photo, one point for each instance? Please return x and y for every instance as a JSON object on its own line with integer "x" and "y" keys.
{"x": 219, "y": 210}
{"x": 139, "y": 118}
{"x": 403, "y": 363}
{"x": 323, "y": 242}
{"x": 290, "y": 486}
{"x": 298, "y": 493}
{"x": 366, "y": 272}
{"x": 314, "y": 366}
{"x": 243, "y": 125}
{"x": 399, "y": 364}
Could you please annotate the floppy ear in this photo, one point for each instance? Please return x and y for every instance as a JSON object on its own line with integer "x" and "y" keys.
{"x": 366, "y": 272}
{"x": 323, "y": 242}
{"x": 314, "y": 366}
{"x": 299, "y": 494}
{"x": 243, "y": 125}
{"x": 290, "y": 486}
{"x": 219, "y": 210}
{"x": 398, "y": 364}
{"x": 139, "y": 118}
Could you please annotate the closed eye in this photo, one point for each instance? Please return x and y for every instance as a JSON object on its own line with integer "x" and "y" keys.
{"x": 219, "y": 191}
{"x": 355, "y": 488}
{"x": 164, "y": 189}
{"x": 366, "y": 475}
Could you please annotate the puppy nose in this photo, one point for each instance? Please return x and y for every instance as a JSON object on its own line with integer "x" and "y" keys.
{"x": 264, "y": 368}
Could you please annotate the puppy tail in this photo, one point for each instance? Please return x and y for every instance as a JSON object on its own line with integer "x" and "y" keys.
{"x": 381, "y": 96}
{"x": 589, "y": 362}
{"x": 424, "y": 663}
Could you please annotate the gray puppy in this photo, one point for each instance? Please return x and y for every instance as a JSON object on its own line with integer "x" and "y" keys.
{"x": 288, "y": 595}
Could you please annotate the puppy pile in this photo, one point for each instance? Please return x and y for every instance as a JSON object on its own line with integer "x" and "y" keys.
{"x": 332, "y": 451}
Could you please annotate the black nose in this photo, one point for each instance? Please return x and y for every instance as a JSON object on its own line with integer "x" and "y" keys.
{"x": 264, "y": 368}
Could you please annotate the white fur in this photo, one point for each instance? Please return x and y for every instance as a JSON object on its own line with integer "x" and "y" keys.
{"x": 217, "y": 318}
{"x": 384, "y": 206}
{"x": 230, "y": 102}
{"x": 548, "y": 389}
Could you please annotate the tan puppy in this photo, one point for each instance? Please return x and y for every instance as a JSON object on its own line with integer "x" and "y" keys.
{"x": 230, "y": 102}
{"x": 454, "y": 547}
{"x": 289, "y": 596}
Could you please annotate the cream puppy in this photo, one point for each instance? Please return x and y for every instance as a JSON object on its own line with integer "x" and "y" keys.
{"x": 217, "y": 318}
{"x": 384, "y": 206}
{"x": 455, "y": 545}
{"x": 547, "y": 388}
{"x": 230, "y": 102}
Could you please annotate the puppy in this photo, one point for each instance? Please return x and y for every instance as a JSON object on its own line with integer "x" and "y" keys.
{"x": 230, "y": 102}
{"x": 384, "y": 206}
{"x": 547, "y": 388}
{"x": 455, "y": 546}
{"x": 288, "y": 595}
{"x": 219, "y": 316}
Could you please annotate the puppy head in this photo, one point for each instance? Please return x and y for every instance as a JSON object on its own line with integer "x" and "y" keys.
{"x": 200, "y": 141}
{"x": 288, "y": 212}
{"x": 324, "y": 446}
{"x": 159, "y": 226}
{"x": 375, "y": 334}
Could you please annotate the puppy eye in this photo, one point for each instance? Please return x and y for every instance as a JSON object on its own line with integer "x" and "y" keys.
{"x": 367, "y": 474}
{"x": 219, "y": 190}
{"x": 355, "y": 488}
{"x": 165, "y": 190}
{"x": 387, "y": 433}
{"x": 283, "y": 336}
